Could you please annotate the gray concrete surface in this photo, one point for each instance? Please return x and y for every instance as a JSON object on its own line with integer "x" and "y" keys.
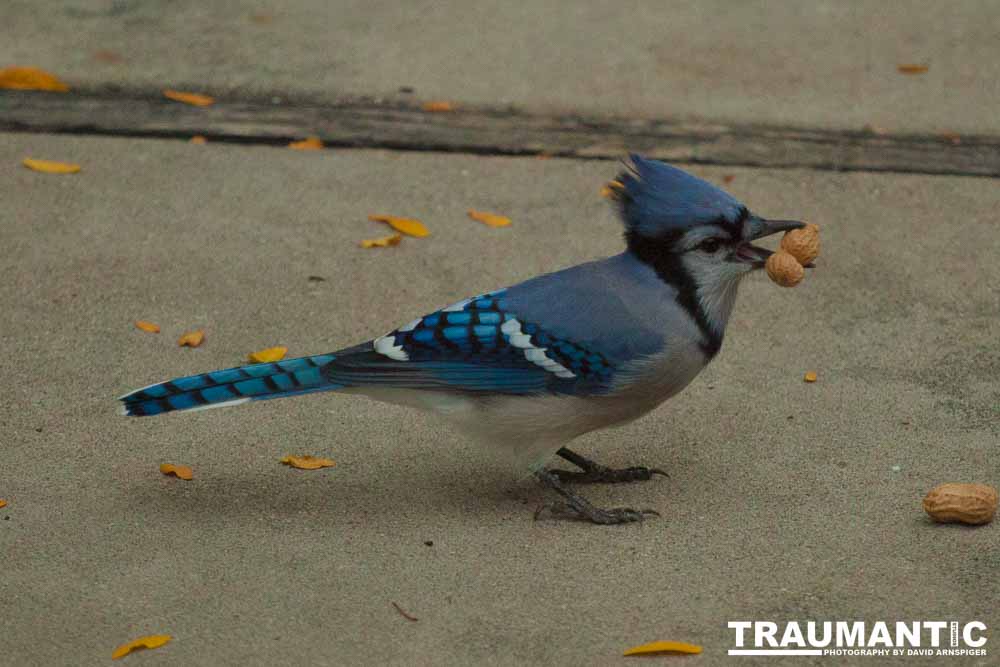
{"x": 824, "y": 64}
{"x": 784, "y": 501}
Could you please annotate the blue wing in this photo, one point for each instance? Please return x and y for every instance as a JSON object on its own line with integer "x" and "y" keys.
{"x": 478, "y": 345}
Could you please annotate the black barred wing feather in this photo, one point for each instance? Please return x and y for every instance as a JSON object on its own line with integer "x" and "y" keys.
{"x": 478, "y": 346}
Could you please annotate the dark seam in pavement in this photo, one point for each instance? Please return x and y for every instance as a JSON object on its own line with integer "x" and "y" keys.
{"x": 370, "y": 124}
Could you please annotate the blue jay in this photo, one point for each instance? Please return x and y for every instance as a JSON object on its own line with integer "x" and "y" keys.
{"x": 528, "y": 368}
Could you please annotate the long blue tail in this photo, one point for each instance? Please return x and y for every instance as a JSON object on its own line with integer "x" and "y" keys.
{"x": 232, "y": 386}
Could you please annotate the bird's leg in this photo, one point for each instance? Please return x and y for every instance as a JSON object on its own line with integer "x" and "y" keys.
{"x": 593, "y": 472}
{"x": 578, "y": 506}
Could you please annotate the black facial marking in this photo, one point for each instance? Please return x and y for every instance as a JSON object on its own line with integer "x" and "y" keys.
{"x": 734, "y": 228}
{"x": 668, "y": 266}
{"x": 737, "y": 226}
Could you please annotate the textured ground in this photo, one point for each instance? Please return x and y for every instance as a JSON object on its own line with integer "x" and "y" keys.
{"x": 824, "y": 63}
{"x": 785, "y": 500}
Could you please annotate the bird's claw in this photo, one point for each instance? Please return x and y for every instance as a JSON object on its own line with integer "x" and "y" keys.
{"x": 603, "y": 475}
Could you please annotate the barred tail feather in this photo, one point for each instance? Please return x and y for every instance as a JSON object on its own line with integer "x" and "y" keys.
{"x": 232, "y": 386}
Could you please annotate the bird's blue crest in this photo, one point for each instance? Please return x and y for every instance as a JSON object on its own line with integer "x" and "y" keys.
{"x": 657, "y": 199}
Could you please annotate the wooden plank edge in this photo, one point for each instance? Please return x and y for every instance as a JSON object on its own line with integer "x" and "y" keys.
{"x": 365, "y": 124}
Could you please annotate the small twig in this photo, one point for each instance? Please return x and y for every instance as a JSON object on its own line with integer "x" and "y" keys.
{"x": 403, "y": 613}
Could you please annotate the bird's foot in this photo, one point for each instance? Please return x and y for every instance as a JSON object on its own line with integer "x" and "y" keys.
{"x": 577, "y": 506}
{"x": 592, "y": 472}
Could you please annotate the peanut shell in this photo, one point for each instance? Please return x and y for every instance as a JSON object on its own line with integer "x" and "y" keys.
{"x": 973, "y": 504}
{"x": 802, "y": 244}
{"x": 784, "y": 269}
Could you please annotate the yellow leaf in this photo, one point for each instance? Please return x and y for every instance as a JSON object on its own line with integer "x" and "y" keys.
{"x": 194, "y": 99}
{"x": 152, "y": 641}
{"x": 408, "y": 226}
{"x": 612, "y": 189}
{"x": 30, "y": 78}
{"x": 268, "y": 355}
{"x": 953, "y": 137}
{"x": 438, "y": 106}
{"x": 663, "y": 647}
{"x": 912, "y": 69}
{"x": 307, "y": 144}
{"x": 307, "y": 462}
{"x": 192, "y": 338}
{"x": 810, "y": 376}
{"x": 490, "y": 219}
{"x": 183, "y": 472}
{"x": 198, "y": 139}
{"x": 50, "y": 167}
{"x": 383, "y": 242}
{"x": 3, "y": 503}
{"x": 148, "y": 327}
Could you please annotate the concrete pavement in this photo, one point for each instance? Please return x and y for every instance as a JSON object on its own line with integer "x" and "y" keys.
{"x": 786, "y": 500}
{"x": 822, "y": 64}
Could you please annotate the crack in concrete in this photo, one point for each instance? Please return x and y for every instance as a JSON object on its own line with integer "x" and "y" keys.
{"x": 366, "y": 123}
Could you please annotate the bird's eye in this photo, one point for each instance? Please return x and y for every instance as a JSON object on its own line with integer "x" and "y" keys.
{"x": 709, "y": 245}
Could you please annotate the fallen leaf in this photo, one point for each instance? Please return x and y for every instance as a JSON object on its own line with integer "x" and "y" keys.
{"x": 612, "y": 189}
{"x": 192, "y": 338}
{"x": 663, "y": 647}
{"x": 383, "y": 242}
{"x": 490, "y": 219}
{"x": 148, "y": 327}
{"x": 438, "y": 106}
{"x": 198, "y": 139}
{"x": 728, "y": 178}
{"x": 3, "y": 503}
{"x": 268, "y": 355}
{"x": 152, "y": 641}
{"x": 50, "y": 167}
{"x": 810, "y": 376}
{"x": 30, "y": 78}
{"x": 953, "y": 137}
{"x": 194, "y": 99}
{"x": 543, "y": 156}
{"x": 105, "y": 56}
{"x": 307, "y": 462}
{"x": 912, "y": 69}
{"x": 181, "y": 472}
{"x": 408, "y": 226}
{"x": 307, "y": 144}
{"x": 261, "y": 18}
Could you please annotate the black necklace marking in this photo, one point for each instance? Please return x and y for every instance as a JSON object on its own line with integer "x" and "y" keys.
{"x": 670, "y": 269}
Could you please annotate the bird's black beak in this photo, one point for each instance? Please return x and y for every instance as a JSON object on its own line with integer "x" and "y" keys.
{"x": 758, "y": 228}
